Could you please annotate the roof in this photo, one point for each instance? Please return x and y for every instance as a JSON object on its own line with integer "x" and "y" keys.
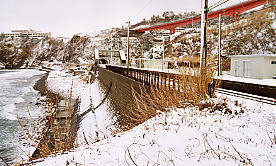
{"x": 253, "y": 56}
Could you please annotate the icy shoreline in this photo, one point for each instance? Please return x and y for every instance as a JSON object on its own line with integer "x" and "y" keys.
{"x": 181, "y": 136}
{"x": 19, "y": 110}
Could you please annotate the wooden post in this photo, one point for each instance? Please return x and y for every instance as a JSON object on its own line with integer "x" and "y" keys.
{"x": 165, "y": 80}
{"x": 148, "y": 77}
{"x": 174, "y": 82}
{"x": 169, "y": 81}
{"x": 158, "y": 82}
{"x": 145, "y": 77}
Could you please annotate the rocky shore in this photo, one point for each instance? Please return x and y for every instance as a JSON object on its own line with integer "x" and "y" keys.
{"x": 60, "y": 128}
{"x": 40, "y": 86}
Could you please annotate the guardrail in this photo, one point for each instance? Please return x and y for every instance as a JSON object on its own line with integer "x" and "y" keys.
{"x": 175, "y": 81}
{"x": 148, "y": 77}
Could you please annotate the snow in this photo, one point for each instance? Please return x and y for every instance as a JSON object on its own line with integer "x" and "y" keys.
{"x": 187, "y": 136}
{"x": 20, "y": 73}
{"x": 182, "y": 136}
{"x": 254, "y": 55}
{"x": 173, "y": 36}
{"x": 97, "y": 124}
{"x": 61, "y": 82}
{"x": 269, "y": 82}
{"x": 142, "y": 27}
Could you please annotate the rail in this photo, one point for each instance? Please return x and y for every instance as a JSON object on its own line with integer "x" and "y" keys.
{"x": 170, "y": 81}
{"x": 262, "y": 99}
{"x": 175, "y": 81}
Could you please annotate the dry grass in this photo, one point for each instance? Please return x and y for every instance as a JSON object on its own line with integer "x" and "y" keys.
{"x": 150, "y": 101}
{"x": 56, "y": 136}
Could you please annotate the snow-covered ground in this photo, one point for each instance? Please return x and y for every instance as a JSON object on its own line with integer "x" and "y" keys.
{"x": 95, "y": 125}
{"x": 62, "y": 83}
{"x": 182, "y": 136}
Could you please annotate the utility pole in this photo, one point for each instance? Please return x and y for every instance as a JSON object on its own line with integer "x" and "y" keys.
{"x": 142, "y": 47}
{"x": 163, "y": 55}
{"x": 219, "y": 47}
{"x": 203, "y": 47}
{"x": 111, "y": 49}
{"x": 128, "y": 56}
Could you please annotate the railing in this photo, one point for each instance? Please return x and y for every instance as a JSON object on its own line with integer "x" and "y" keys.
{"x": 152, "y": 78}
{"x": 174, "y": 81}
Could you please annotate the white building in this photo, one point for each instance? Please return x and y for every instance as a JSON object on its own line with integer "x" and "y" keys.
{"x": 27, "y": 33}
{"x": 132, "y": 40}
{"x": 115, "y": 57}
{"x": 260, "y": 66}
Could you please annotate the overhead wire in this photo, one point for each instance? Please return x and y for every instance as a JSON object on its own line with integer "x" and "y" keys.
{"x": 217, "y": 4}
{"x": 140, "y": 11}
{"x": 147, "y": 4}
{"x": 221, "y": 2}
{"x": 241, "y": 2}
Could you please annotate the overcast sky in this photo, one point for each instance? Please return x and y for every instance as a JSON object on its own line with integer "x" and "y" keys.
{"x": 68, "y": 17}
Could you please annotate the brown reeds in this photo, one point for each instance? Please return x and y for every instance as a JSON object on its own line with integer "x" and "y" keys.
{"x": 151, "y": 100}
{"x": 56, "y": 136}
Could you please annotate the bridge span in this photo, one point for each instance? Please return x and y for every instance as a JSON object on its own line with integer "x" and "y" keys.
{"x": 231, "y": 11}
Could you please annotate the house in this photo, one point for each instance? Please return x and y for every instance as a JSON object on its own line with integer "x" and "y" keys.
{"x": 258, "y": 66}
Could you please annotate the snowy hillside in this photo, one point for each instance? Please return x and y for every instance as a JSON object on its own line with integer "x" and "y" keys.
{"x": 245, "y": 35}
{"x": 25, "y": 52}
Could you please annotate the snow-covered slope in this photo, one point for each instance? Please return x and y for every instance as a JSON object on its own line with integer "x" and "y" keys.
{"x": 187, "y": 137}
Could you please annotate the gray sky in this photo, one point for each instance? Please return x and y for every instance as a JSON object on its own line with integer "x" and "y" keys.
{"x": 68, "y": 17}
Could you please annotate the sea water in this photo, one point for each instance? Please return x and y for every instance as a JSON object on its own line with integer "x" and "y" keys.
{"x": 17, "y": 104}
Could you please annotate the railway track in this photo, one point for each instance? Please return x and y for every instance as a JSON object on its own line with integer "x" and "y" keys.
{"x": 266, "y": 100}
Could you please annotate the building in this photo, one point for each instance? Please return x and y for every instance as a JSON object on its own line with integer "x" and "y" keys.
{"x": 27, "y": 33}
{"x": 260, "y": 66}
{"x": 154, "y": 63}
{"x": 114, "y": 57}
{"x": 133, "y": 41}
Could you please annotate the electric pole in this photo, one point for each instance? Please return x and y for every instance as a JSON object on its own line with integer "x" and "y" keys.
{"x": 111, "y": 49}
{"x": 163, "y": 55}
{"x": 219, "y": 47}
{"x": 203, "y": 47}
{"x": 128, "y": 56}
